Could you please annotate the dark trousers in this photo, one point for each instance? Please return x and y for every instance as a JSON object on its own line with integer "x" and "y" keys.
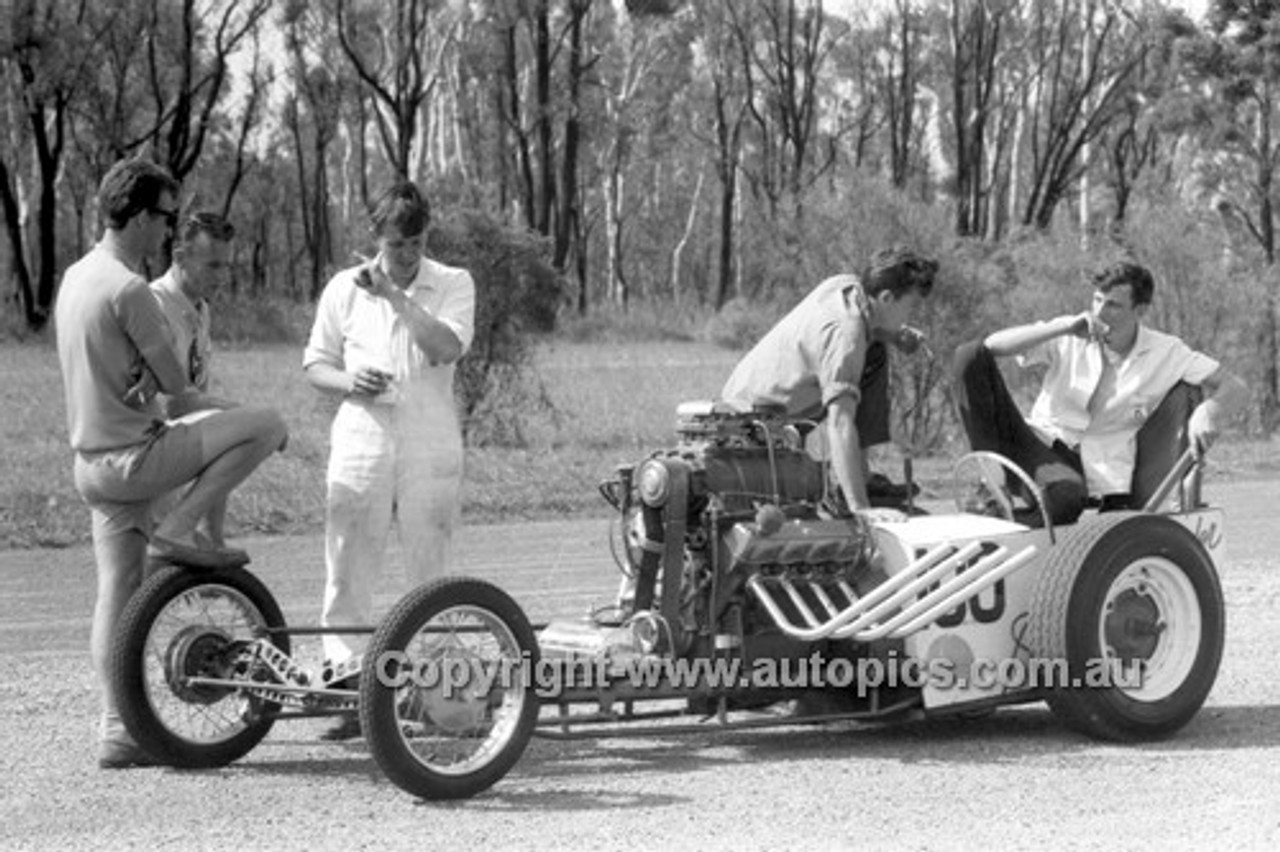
{"x": 993, "y": 422}
{"x": 872, "y": 417}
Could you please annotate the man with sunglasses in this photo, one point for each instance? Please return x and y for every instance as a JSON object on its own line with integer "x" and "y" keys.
{"x": 111, "y": 333}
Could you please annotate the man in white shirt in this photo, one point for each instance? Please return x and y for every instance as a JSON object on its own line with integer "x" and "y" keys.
{"x": 1107, "y": 375}
{"x": 386, "y": 337}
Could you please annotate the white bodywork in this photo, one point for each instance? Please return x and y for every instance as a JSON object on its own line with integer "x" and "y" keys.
{"x": 977, "y": 652}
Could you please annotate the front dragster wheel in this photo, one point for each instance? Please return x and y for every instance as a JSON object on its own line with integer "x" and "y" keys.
{"x": 447, "y": 698}
{"x": 1132, "y": 603}
{"x": 180, "y": 626}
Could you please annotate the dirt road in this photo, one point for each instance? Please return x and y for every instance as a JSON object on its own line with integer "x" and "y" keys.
{"x": 1012, "y": 780}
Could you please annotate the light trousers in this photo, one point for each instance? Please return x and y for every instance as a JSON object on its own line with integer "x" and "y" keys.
{"x": 401, "y": 462}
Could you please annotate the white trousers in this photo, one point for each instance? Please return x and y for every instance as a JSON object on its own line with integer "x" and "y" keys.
{"x": 402, "y": 461}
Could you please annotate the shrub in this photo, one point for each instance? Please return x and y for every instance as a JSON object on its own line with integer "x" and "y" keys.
{"x": 518, "y": 297}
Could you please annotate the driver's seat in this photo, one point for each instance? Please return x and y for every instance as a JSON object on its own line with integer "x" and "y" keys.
{"x": 1160, "y": 444}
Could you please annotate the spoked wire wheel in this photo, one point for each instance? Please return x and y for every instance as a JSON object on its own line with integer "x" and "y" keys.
{"x": 447, "y": 701}
{"x": 184, "y": 625}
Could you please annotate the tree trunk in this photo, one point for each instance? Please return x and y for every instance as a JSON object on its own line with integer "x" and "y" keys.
{"x": 728, "y": 195}
{"x": 17, "y": 246}
{"x": 678, "y": 251}
{"x": 544, "y": 132}
{"x": 1269, "y": 405}
{"x": 613, "y": 190}
{"x": 321, "y": 245}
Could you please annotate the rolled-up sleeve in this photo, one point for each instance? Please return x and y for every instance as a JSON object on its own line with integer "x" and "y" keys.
{"x": 458, "y": 309}
{"x": 840, "y": 358}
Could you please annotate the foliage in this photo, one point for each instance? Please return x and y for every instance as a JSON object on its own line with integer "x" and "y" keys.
{"x": 671, "y": 157}
{"x": 518, "y": 296}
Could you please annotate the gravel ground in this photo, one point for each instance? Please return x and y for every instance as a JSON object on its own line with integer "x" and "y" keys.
{"x": 1012, "y": 780}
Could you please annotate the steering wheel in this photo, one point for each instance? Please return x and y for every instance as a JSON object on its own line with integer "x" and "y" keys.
{"x": 982, "y": 487}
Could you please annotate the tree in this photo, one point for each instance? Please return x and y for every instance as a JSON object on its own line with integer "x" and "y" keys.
{"x": 313, "y": 114}
{"x": 398, "y": 56}
{"x": 189, "y": 73}
{"x": 977, "y": 29}
{"x": 643, "y": 68}
{"x": 548, "y": 54}
{"x": 1087, "y": 67}
{"x": 727, "y": 115}
{"x": 856, "y": 107}
{"x": 904, "y": 33}
{"x": 784, "y": 51}
{"x": 1237, "y": 61}
{"x": 165, "y": 77}
{"x": 47, "y": 55}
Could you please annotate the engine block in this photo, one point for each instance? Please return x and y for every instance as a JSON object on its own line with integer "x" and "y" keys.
{"x": 736, "y": 498}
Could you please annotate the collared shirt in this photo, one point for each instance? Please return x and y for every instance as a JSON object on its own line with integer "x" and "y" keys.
{"x": 813, "y": 356}
{"x": 1097, "y": 405}
{"x": 354, "y": 329}
{"x": 109, "y": 327}
{"x": 189, "y": 323}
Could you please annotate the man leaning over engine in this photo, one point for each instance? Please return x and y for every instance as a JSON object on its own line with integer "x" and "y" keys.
{"x": 826, "y": 360}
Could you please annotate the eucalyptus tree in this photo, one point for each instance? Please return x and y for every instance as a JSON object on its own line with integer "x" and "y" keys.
{"x": 785, "y": 47}
{"x": 1234, "y": 66}
{"x": 312, "y": 115}
{"x": 1089, "y": 53}
{"x": 397, "y": 50}
{"x": 642, "y": 76}
{"x": 722, "y": 130}
{"x": 47, "y": 53}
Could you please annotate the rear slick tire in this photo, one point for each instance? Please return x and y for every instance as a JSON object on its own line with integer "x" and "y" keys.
{"x": 1132, "y": 603}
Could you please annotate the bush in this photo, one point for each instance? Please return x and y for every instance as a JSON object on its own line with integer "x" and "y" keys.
{"x": 518, "y": 297}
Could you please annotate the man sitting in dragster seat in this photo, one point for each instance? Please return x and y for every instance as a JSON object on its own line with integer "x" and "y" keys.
{"x": 1109, "y": 378}
{"x": 826, "y": 361}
